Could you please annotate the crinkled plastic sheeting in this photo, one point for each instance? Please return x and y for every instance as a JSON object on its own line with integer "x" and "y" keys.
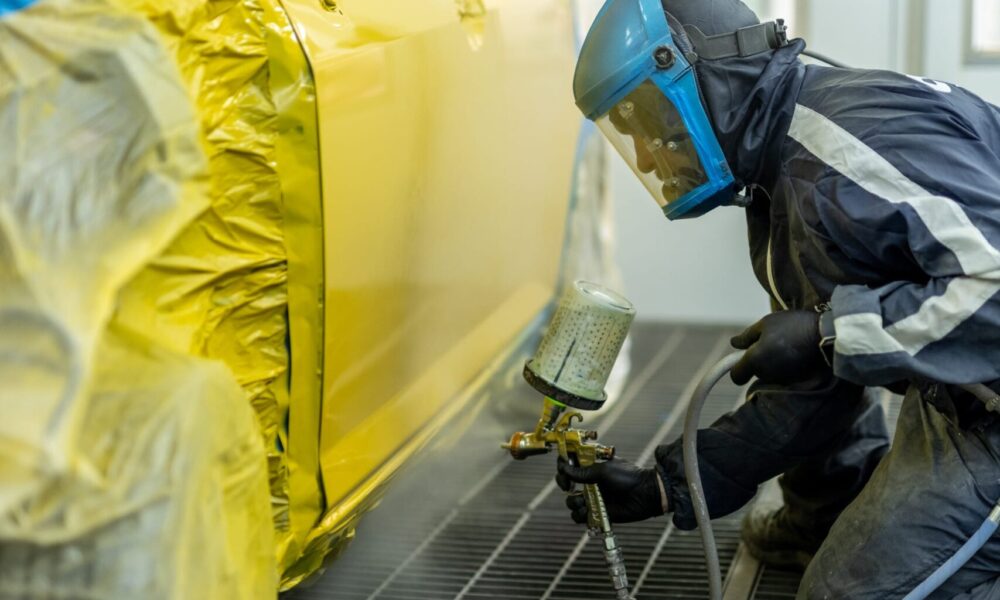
{"x": 127, "y": 469}
{"x": 170, "y": 498}
{"x": 589, "y": 253}
{"x": 233, "y": 283}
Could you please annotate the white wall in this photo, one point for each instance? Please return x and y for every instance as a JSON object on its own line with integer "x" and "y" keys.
{"x": 695, "y": 270}
{"x": 857, "y": 32}
{"x": 946, "y": 42}
{"x": 699, "y": 270}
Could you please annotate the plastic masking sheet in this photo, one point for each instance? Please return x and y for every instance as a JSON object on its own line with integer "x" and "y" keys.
{"x": 589, "y": 253}
{"x": 118, "y": 456}
{"x": 221, "y": 289}
{"x": 170, "y": 501}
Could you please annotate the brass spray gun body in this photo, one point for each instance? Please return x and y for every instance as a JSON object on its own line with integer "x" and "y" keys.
{"x": 554, "y": 431}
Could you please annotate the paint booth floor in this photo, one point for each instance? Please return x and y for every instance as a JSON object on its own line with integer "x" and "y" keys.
{"x": 468, "y": 522}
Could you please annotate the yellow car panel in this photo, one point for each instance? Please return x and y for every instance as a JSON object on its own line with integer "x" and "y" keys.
{"x": 446, "y": 134}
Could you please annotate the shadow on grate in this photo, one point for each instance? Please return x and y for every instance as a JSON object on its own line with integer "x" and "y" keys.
{"x": 467, "y": 522}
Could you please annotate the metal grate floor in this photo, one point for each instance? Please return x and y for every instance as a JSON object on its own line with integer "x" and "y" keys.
{"x": 467, "y": 522}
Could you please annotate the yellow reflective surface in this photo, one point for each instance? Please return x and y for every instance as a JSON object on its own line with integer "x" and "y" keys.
{"x": 447, "y": 132}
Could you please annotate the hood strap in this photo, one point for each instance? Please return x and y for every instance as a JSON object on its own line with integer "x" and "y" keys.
{"x": 743, "y": 42}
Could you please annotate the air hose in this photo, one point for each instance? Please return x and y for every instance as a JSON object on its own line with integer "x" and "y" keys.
{"x": 981, "y": 536}
{"x": 700, "y": 506}
{"x": 693, "y": 475}
{"x": 962, "y": 556}
{"x": 826, "y": 59}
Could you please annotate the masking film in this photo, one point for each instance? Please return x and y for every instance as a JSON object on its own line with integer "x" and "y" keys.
{"x": 221, "y": 289}
{"x": 298, "y": 167}
{"x": 589, "y": 252}
{"x": 118, "y": 454}
{"x": 70, "y": 233}
{"x": 169, "y": 495}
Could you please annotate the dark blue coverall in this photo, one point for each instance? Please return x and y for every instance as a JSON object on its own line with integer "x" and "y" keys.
{"x": 878, "y": 193}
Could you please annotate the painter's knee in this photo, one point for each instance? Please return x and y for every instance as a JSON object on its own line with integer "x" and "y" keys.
{"x": 822, "y": 580}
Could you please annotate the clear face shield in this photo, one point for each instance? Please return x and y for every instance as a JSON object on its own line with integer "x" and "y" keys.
{"x": 650, "y": 134}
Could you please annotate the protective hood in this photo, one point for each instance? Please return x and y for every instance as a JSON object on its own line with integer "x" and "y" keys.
{"x": 712, "y": 17}
{"x": 634, "y": 80}
{"x": 749, "y": 100}
{"x": 693, "y": 94}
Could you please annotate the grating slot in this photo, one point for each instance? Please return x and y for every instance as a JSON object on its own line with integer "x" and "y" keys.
{"x": 775, "y": 584}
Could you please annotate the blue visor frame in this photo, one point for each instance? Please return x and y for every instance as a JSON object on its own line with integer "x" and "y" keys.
{"x": 720, "y": 187}
{"x": 622, "y": 43}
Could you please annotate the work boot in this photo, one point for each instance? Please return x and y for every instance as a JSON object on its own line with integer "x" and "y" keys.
{"x": 772, "y": 538}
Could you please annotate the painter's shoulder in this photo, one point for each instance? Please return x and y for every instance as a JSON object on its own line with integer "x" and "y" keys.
{"x": 883, "y": 107}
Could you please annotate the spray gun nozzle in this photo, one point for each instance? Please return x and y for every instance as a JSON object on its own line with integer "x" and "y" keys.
{"x": 522, "y": 445}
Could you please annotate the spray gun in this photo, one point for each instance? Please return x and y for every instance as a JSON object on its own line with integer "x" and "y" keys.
{"x": 570, "y": 368}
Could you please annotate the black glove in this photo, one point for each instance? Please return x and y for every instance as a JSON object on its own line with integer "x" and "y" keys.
{"x": 782, "y": 348}
{"x": 630, "y": 493}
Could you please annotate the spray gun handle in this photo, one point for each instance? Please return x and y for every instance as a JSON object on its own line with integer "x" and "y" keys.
{"x": 598, "y": 521}
{"x": 597, "y": 512}
{"x": 599, "y": 526}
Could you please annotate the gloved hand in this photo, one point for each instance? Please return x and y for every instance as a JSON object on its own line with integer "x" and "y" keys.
{"x": 630, "y": 493}
{"x": 783, "y": 348}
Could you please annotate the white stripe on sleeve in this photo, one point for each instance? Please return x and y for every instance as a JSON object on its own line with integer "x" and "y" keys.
{"x": 862, "y": 333}
{"x": 943, "y": 218}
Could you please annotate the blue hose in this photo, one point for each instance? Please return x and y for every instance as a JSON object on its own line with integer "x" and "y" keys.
{"x": 953, "y": 564}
